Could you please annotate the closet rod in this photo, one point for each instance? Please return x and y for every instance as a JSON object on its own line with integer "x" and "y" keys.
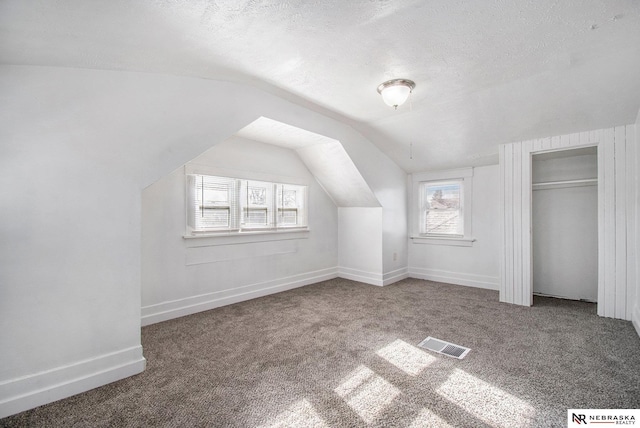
{"x": 554, "y": 183}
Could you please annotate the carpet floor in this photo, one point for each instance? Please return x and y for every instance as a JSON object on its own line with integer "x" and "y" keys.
{"x": 344, "y": 354}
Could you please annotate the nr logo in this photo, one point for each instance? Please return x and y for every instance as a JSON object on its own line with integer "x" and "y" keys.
{"x": 579, "y": 419}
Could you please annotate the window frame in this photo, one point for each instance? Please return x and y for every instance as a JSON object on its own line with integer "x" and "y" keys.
{"x": 300, "y": 208}
{"x": 246, "y": 207}
{"x": 240, "y": 181}
{"x": 464, "y": 176}
{"x": 231, "y": 206}
{"x": 424, "y": 210}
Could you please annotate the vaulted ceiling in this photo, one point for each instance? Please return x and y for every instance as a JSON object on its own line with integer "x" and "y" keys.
{"x": 487, "y": 71}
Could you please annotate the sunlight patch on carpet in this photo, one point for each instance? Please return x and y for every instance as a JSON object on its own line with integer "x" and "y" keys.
{"x": 486, "y": 402}
{"x": 366, "y": 393}
{"x": 299, "y": 414}
{"x": 407, "y": 358}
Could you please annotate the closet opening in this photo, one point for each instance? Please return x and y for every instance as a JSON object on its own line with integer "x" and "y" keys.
{"x": 564, "y": 224}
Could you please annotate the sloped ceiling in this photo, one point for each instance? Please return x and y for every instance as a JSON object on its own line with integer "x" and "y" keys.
{"x": 487, "y": 71}
{"x": 325, "y": 158}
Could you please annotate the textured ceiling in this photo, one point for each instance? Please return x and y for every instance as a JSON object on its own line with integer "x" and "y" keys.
{"x": 487, "y": 71}
{"x": 280, "y": 134}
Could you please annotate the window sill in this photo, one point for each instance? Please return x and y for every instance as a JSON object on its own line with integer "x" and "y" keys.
{"x": 224, "y": 238}
{"x": 432, "y": 240}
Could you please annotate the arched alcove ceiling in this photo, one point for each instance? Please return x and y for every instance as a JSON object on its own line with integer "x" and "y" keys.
{"x": 325, "y": 157}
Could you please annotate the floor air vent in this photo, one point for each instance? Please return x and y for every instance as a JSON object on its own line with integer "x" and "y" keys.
{"x": 446, "y": 348}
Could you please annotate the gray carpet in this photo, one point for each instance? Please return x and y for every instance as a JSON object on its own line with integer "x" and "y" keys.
{"x": 340, "y": 353}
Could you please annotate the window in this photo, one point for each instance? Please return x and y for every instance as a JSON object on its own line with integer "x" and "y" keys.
{"x": 442, "y": 207}
{"x": 223, "y": 204}
{"x": 257, "y": 204}
{"x": 213, "y": 203}
{"x": 290, "y": 204}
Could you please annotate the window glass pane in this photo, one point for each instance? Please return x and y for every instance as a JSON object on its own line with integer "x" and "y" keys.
{"x": 257, "y": 204}
{"x": 257, "y": 195}
{"x": 216, "y": 195}
{"x": 291, "y": 202}
{"x": 442, "y": 204}
{"x": 212, "y": 198}
{"x": 289, "y": 199}
{"x": 288, "y": 217}
{"x": 445, "y": 222}
{"x": 213, "y": 217}
{"x": 256, "y": 216}
{"x": 443, "y": 196}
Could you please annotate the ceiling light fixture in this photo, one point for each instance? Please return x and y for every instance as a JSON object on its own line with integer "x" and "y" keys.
{"x": 396, "y": 91}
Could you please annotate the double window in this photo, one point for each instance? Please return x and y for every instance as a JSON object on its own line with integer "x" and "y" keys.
{"x": 224, "y": 204}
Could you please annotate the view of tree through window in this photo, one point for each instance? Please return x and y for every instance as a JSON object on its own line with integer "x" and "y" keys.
{"x": 288, "y": 212}
{"x": 257, "y": 195}
{"x": 442, "y": 203}
{"x": 256, "y": 212}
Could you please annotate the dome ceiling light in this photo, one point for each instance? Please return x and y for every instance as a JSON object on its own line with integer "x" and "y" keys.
{"x": 396, "y": 91}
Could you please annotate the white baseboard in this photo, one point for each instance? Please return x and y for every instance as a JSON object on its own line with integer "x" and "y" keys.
{"x": 372, "y": 278}
{"x": 27, "y": 392}
{"x": 470, "y": 280}
{"x": 635, "y": 318}
{"x": 164, "y": 311}
{"x": 395, "y": 276}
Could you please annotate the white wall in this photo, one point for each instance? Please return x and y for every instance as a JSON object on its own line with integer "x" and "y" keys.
{"x": 477, "y": 265}
{"x": 69, "y": 215}
{"x": 636, "y": 310}
{"x": 388, "y": 183}
{"x": 182, "y": 276}
{"x": 617, "y": 252}
{"x": 395, "y": 251}
{"x": 79, "y": 140}
{"x": 360, "y": 250}
{"x": 565, "y": 226}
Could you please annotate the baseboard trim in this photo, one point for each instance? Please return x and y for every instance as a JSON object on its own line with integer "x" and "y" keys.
{"x": 371, "y": 278}
{"x": 635, "y": 318}
{"x": 190, "y": 305}
{"x": 395, "y": 276}
{"x": 469, "y": 280}
{"x": 27, "y": 392}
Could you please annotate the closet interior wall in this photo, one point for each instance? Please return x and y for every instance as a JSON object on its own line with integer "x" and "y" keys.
{"x": 565, "y": 224}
